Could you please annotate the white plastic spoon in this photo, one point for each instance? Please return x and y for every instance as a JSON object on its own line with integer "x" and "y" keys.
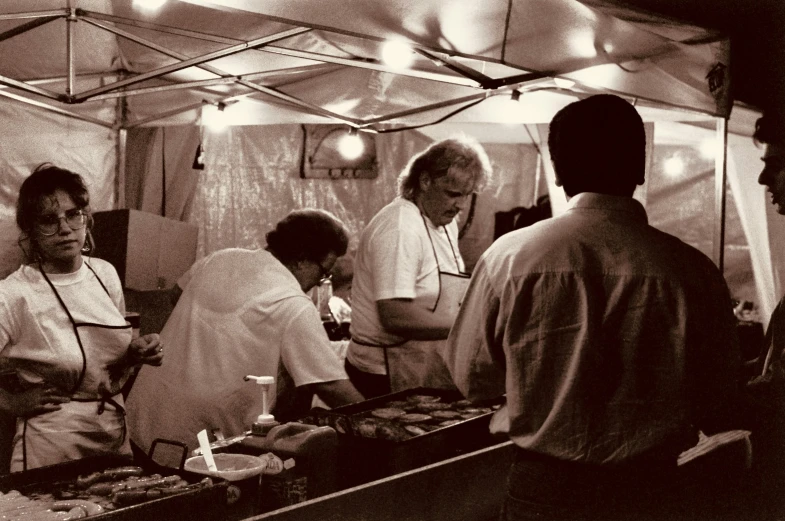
{"x": 207, "y": 452}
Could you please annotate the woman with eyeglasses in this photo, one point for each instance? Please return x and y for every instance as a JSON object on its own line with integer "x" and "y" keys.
{"x": 63, "y": 331}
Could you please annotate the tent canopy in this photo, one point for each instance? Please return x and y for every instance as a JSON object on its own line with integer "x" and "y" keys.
{"x": 115, "y": 64}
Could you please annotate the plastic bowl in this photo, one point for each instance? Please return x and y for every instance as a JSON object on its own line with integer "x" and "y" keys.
{"x": 232, "y": 467}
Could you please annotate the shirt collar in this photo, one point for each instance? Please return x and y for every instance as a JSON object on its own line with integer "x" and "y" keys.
{"x": 609, "y": 203}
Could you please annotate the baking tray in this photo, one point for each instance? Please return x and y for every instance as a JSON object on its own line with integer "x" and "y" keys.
{"x": 208, "y": 502}
{"x": 363, "y": 458}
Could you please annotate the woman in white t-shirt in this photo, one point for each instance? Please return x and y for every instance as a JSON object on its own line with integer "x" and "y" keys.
{"x": 63, "y": 331}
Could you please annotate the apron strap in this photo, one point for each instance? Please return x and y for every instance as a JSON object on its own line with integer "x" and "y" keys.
{"x": 102, "y": 401}
{"x": 101, "y": 408}
{"x": 71, "y": 319}
{"x": 384, "y": 349}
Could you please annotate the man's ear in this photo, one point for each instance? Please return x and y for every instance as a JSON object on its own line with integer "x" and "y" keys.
{"x": 425, "y": 182}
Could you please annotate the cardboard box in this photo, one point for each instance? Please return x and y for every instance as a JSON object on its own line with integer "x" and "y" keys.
{"x": 148, "y": 251}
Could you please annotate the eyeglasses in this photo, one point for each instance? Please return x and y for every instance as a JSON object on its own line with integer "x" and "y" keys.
{"x": 325, "y": 274}
{"x": 50, "y": 224}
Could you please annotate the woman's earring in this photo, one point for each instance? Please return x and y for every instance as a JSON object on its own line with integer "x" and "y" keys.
{"x": 88, "y": 243}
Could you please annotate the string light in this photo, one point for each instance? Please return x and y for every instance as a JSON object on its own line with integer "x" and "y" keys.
{"x": 708, "y": 148}
{"x": 215, "y": 117}
{"x": 351, "y": 145}
{"x": 149, "y": 4}
{"x": 511, "y": 111}
{"x": 564, "y": 83}
{"x": 397, "y": 55}
{"x": 674, "y": 166}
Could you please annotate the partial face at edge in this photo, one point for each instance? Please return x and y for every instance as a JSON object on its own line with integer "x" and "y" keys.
{"x": 773, "y": 175}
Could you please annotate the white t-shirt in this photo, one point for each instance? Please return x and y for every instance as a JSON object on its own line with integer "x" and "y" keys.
{"x": 36, "y": 336}
{"x": 241, "y": 313}
{"x": 37, "y": 339}
{"x": 396, "y": 258}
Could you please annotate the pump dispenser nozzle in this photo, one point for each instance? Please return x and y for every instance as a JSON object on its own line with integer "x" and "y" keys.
{"x": 265, "y": 421}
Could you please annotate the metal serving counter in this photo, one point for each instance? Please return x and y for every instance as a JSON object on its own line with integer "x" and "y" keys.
{"x": 469, "y": 487}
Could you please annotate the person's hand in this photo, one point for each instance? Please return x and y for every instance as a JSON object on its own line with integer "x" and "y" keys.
{"x": 147, "y": 349}
{"x": 38, "y": 400}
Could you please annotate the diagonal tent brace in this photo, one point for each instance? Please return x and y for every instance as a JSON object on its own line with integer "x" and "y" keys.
{"x": 38, "y": 22}
{"x": 368, "y": 64}
{"x": 55, "y": 110}
{"x": 187, "y": 63}
{"x": 452, "y": 67}
{"x": 10, "y": 82}
{"x": 225, "y": 76}
{"x": 465, "y": 75}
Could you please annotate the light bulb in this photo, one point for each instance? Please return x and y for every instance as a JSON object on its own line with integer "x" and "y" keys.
{"x": 511, "y": 110}
{"x": 674, "y": 166}
{"x": 149, "y": 4}
{"x": 214, "y": 119}
{"x": 351, "y": 146}
{"x": 708, "y": 148}
{"x": 563, "y": 83}
{"x": 397, "y": 55}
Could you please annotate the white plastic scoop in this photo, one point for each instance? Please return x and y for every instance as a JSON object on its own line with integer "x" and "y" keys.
{"x": 207, "y": 452}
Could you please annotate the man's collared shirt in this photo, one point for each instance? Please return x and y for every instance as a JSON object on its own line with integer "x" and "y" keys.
{"x": 609, "y": 337}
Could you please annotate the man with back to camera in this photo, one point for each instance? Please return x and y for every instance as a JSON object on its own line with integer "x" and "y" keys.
{"x": 407, "y": 281}
{"x": 614, "y": 342}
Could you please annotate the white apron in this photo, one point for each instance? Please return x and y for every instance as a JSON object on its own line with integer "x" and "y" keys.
{"x": 418, "y": 363}
{"x": 93, "y": 423}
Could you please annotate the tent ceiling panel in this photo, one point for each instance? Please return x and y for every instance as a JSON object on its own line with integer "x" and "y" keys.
{"x": 42, "y": 52}
{"x": 323, "y": 59}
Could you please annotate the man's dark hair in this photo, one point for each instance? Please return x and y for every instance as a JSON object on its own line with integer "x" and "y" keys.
{"x": 598, "y": 144}
{"x": 308, "y": 234}
{"x": 769, "y": 130}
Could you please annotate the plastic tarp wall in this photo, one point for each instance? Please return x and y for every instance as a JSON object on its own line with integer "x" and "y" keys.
{"x": 29, "y": 138}
{"x": 251, "y": 180}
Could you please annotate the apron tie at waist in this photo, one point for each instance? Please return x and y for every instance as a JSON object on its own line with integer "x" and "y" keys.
{"x": 381, "y": 346}
{"x": 102, "y": 401}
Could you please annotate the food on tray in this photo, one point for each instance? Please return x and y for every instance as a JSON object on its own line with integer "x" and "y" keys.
{"x": 423, "y": 398}
{"x": 392, "y": 431}
{"x": 404, "y": 418}
{"x": 415, "y": 418}
{"x": 15, "y": 505}
{"x": 402, "y": 404}
{"x": 366, "y": 427}
{"x": 446, "y": 415}
{"x": 388, "y": 413}
{"x": 432, "y": 406}
{"x": 98, "y": 492}
{"x": 414, "y": 430}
